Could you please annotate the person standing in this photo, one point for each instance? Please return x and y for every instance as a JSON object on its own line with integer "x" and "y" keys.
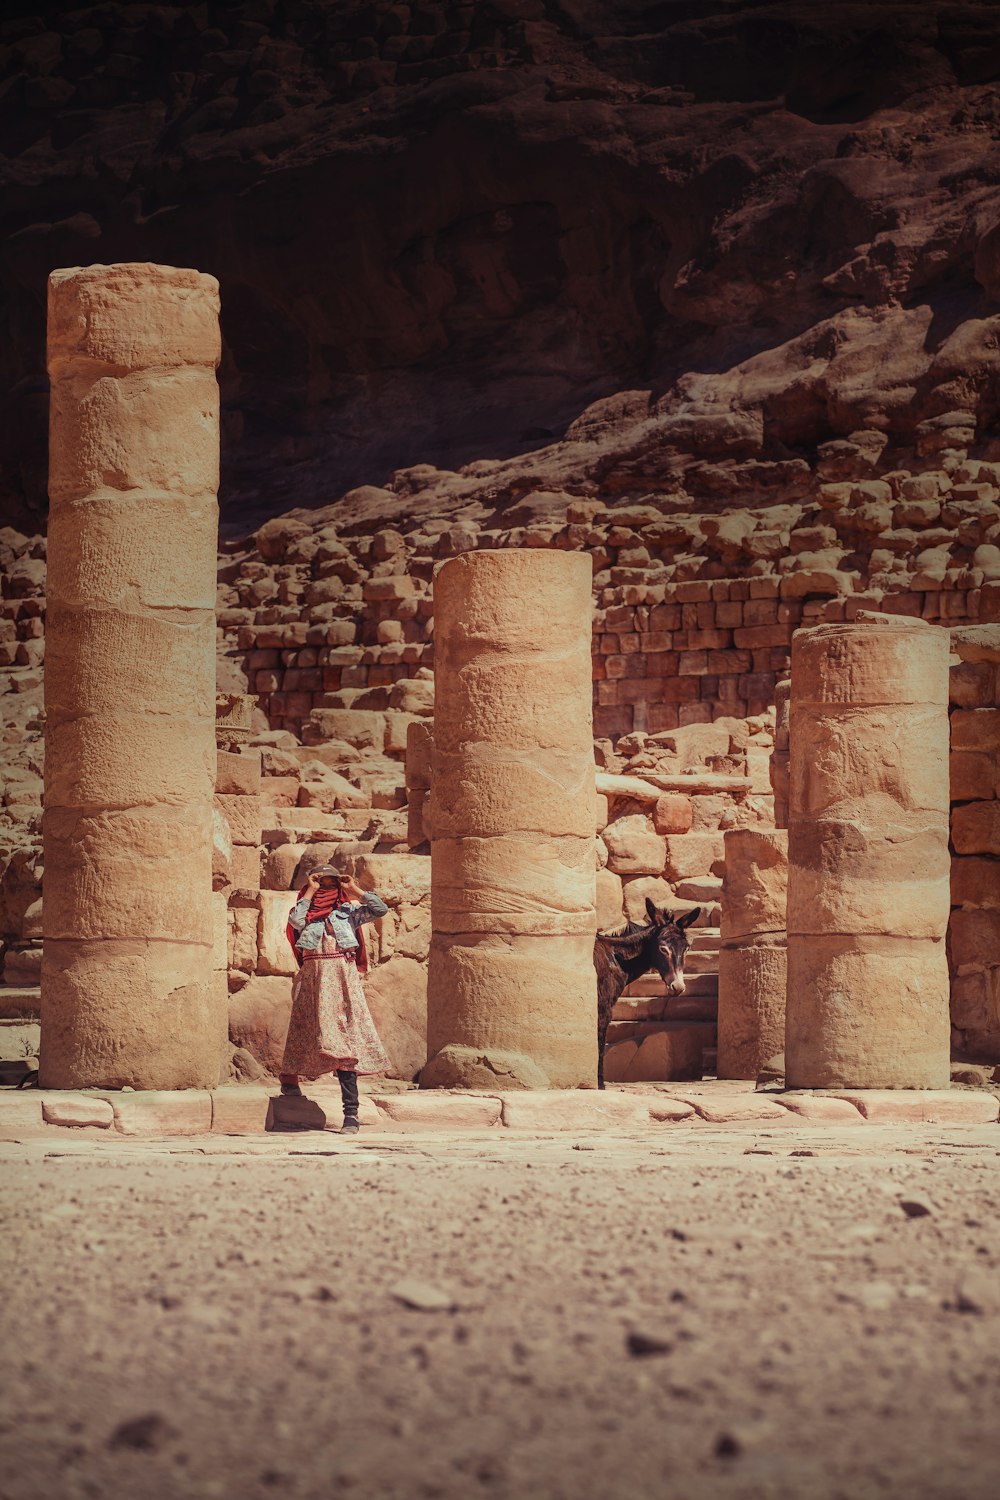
{"x": 331, "y": 1028}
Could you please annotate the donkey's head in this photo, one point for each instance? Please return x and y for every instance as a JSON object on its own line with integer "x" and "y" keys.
{"x": 671, "y": 944}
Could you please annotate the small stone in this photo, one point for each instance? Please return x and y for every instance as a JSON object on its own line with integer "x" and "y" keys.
{"x": 728, "y": 1445}
{"x": 423, "y": 1296}
{"x": 639, "y": 1345}
{"x": 977, "y": 1293}
{"x": 876, "y": 1296}
{"x": 915, "y": 1206}
{"x": 142, "y": 1434}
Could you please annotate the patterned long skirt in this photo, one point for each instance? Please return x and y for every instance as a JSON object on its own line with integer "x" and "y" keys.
{"x": 331, "y": 1026}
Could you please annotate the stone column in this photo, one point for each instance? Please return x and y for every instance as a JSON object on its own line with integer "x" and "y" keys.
{"x": 512, "y": 997}
{"x": 752, "y": 959}
{"x": 127, "y": 978}
{"x": 868, "y": 864}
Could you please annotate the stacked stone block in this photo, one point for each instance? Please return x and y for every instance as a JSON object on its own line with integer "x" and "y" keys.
{"x": 511, "y": 986}
{"x": 868, "y": 876}
{"x": 974, "y": 929}
{"x": 753, "y": 970}
{"x": 238, "y": 788}
{"x": 127, "y": 989}
{"x": 780, "y": 753}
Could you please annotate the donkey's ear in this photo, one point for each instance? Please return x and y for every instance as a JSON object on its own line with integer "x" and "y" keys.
{"x": 688, "y": 917}
{"x": 651, "y": 911}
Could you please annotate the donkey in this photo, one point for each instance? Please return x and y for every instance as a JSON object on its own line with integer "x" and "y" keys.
{"x": 620, "y": 957}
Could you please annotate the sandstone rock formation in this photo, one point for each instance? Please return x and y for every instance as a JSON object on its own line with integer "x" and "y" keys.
{"x": 752, "y": 960}
{"x": 868, "y": 863}
{"x": 708, "y": 242}
{"x": 127, "y": 982}
{"x": 512, "y": 992}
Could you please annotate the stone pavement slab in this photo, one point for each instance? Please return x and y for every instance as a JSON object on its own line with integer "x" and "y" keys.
{"x": 935, "y": 1106}
{"x": 818, "y": 1108}
{"x": 258, "y": 1111}
{"x": 78, "y": 1110}
{"x": 160, "y": 1111}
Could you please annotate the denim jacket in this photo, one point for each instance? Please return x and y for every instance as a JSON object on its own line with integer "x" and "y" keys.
{"x": 342, "y": 924}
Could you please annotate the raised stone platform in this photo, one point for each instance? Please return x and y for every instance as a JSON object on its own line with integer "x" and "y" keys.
{"x": 254, "y": 1110}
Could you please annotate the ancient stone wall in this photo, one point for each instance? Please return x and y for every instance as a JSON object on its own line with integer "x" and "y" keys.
{"x": 694, "y": 611}
{"x": 974, "y": 930}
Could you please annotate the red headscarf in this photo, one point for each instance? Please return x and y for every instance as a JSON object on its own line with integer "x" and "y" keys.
{"x": 320, "y": 907}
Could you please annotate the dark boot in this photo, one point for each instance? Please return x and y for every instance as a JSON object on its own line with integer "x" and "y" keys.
{"x": 349, "y": 1098}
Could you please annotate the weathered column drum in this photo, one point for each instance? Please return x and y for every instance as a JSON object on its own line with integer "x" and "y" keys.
{"x": 868, "y": 861}
{"x": 752, "y": 959}
{"x": 512, "y": 995}
{"x": 127, "y": 992}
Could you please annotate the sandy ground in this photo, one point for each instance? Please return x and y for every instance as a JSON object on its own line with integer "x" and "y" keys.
{"x": 711, "y": 1313}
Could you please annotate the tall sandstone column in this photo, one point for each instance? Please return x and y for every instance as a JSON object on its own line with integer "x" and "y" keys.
{"x": 868, "y": 863}
{"x": 512, "y": 996}
{"x": 127, "y": 993}
{"x": 752, "y": 966}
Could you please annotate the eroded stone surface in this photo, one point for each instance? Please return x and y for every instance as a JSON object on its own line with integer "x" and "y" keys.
{"x": 752, "y": 959}
{"x": 512, "y": 817}
{"x": 127, "y": 991}
{"x": 868, "y": 881}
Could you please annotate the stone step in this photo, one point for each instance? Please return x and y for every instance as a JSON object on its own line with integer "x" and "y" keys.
{"x": 650, "y": 785}
{"x": 20, "y": 1002}
{"x": 656, "y": 1051}
{"x": 704, "y": 962}
{"x": 19, "y": 1038}
{"x": 663, "y": 1007}
{"x": 305, "y": 825}
{"x": 11, "y": 1072}
{"x": 692, "y": 1008}
{"x": 673, "y": 1025}
{"x": 19, "y": 1041}
{"x": 694, "y": 984}
{"x": 704, "y": 888}
{"x": 639, "y": 1007}
{"x": 704, "y": 940}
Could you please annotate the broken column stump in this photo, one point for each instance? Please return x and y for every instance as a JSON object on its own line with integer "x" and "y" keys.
{"x": 752, "y": 959}
{"x": 868, "y": 862}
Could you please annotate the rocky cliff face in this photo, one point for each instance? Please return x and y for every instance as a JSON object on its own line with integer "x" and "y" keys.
{"x": 631, "y": 248}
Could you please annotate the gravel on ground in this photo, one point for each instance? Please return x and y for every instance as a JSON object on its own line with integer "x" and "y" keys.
{"x": 801, "y": 1314}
